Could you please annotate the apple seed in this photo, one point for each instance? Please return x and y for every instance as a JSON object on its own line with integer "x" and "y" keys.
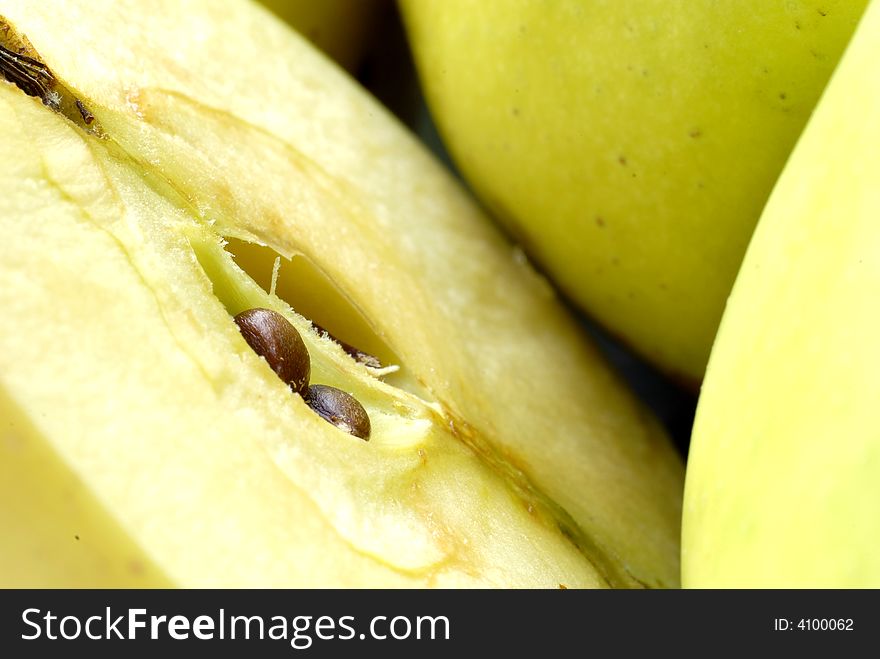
{"x": 271, "y": 336}
{"x": 339, "y": 408}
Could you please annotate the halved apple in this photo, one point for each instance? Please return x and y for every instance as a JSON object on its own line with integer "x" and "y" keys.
{"x": 202, "y": 159}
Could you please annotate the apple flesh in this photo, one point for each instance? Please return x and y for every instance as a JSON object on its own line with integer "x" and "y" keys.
{"x": 502, "y": 452}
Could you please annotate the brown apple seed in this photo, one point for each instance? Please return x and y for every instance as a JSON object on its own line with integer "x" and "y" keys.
{"x": 339, "y": 408}
{"x": 273, "y": 338}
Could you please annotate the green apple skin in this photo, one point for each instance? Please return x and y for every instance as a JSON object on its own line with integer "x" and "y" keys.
{"x": 629, "y": 145}
{"x": 783, "y": 481}
{"x": 142, "y": 442}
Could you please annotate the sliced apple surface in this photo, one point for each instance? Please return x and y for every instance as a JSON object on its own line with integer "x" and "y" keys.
{"x": 179, "y": 186}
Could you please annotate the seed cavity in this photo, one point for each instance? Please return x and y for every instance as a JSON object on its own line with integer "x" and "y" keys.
{"x": 339, "y": 408}
{"x": 357, "y": 354}
{"x": 312, "y": 294}
{"x": 271, "y": 336}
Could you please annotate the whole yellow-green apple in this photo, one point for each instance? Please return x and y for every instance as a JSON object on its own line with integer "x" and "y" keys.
{"x": 630, "y": 145}
{"x": 148, "y": 197}
{"x": 783, "y": 481}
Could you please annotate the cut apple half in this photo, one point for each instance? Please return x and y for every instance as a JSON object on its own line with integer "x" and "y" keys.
{"x": 503, "y": 451}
